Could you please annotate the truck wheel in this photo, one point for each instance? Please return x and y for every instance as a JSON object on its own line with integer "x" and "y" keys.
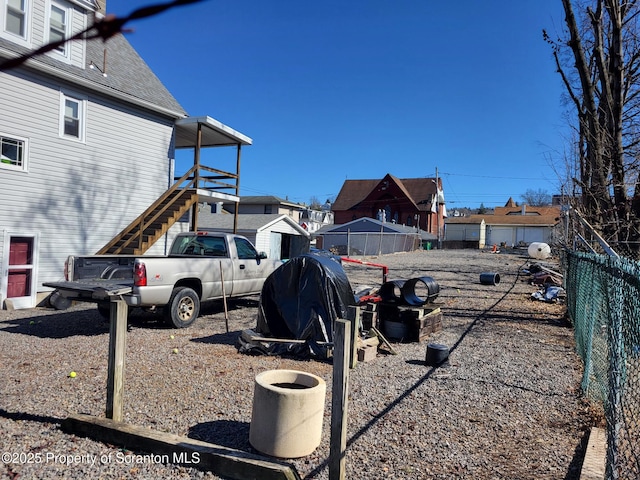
{"x": 183, "y": 308}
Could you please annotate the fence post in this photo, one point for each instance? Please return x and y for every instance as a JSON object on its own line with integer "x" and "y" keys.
{"x": 115, "y": 367}
{"x": 616, "y": 374}
{"x": 339, "y": 399}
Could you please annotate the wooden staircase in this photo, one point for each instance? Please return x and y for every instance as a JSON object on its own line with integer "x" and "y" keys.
{"x": 155, "y": 221}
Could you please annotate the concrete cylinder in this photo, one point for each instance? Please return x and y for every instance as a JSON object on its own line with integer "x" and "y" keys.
{"x": 288, "y": 409}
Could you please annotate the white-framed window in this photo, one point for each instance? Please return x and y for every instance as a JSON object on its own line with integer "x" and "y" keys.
{"x": 59, "y": 22}
{"x": 72, "y": 117}
{"x": 13, "y": 152}
{"x": 15, "y": 16}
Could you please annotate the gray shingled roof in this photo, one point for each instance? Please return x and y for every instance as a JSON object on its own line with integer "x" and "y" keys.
{"x": 224, "y": 221}
{"x": 128, "y": 76}
{"x": 266, "y": 200}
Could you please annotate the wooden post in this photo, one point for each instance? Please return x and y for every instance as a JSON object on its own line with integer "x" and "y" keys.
{"x": 339, "y": 398}
{"x": 224, "y": 299}
{"x": 117, "y": 346}
{"x": 353, "y": 338}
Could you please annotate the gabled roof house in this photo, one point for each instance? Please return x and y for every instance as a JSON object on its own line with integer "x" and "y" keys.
{"x": 414, "y": 202}
{"x": 266, "y": 204}
{"x": 510, "y": 225}
{"x": 88, "y": 136}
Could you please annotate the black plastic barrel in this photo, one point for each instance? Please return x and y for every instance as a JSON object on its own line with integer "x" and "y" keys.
{"x": 410, "y": 297}
{"x": 437, "y": 354}
{"x": 391, "y": 291}
{"x": 489, "y": 278}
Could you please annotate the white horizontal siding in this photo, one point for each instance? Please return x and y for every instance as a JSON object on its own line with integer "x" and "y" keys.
{"x": 79, "y": 23}
{"x": 262, "y": 241}
{"x": 284, "y": 227}
{"x": 37, "y": 23}
{"x": 78, "y": 195}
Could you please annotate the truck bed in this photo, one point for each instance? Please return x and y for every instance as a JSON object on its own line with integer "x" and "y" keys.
{"x": 96, "y": 290}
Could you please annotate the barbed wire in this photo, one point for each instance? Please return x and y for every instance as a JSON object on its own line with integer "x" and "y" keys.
{"x": 104, "y": 28}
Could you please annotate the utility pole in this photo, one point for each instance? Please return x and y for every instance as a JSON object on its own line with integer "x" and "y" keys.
{"x": 437, "y": 211}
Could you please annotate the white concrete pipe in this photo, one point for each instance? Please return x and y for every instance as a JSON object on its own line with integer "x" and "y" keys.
{"x": 288, "y": 409}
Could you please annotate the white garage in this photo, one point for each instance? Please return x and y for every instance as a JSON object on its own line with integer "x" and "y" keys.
{"x": 279, "y": 236}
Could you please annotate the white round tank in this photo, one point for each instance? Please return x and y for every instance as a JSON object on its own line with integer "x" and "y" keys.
{"x": 539, "y": 250}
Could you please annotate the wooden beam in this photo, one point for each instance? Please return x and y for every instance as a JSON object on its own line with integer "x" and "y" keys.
{"x": 339, "y": 400}
{"x": 383, "y": 340}
{"x": 354, "y": 337}
{"x": 170, "y": 448}
{"x": 595, "y": 458}
{"x": 115, "y": 368}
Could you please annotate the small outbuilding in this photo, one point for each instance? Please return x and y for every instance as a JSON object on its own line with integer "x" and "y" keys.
{"x": 278, "y": 235}
{"x": 465, "y": 232}
{"x": 368, "y": 236}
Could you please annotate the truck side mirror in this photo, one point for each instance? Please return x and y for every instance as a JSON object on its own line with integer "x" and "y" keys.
{"x": 262, "y": 255}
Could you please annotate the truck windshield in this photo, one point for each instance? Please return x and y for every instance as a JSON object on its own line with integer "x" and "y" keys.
{"x": 201, "y": 245}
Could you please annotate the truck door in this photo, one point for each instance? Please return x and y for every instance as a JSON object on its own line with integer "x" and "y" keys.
{"x": 249, "y": 272}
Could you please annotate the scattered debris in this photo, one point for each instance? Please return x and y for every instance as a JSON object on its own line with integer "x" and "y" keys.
{"x": 550, "y": 294}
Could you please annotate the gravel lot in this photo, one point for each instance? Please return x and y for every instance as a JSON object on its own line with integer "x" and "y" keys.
{"x": 507, "y": 405}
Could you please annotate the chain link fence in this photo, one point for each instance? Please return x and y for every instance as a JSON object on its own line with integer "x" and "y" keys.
{"x": 366, "y": 243}
{"x": 603, "y": 303}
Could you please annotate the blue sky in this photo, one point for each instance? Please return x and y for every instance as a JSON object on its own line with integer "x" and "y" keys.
{"x": 338, "y": 90}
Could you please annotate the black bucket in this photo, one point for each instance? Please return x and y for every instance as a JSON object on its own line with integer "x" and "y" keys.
{"x": 489, "y": 278}
{"x": 437, "y": 354}
{"x": 391, "y": 291}
{"x": 410, "y": 296}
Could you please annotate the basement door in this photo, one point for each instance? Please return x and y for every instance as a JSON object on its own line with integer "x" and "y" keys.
{"x": 19, "y": 268}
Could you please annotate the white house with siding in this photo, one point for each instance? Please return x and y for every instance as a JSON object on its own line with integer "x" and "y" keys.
{"x": 87, "y": 134}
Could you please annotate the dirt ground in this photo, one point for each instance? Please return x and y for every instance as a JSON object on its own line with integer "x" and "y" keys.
{"x": 507, "y": 403}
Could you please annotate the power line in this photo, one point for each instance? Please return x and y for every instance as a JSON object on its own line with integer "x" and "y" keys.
{"x": 491, "y": 176}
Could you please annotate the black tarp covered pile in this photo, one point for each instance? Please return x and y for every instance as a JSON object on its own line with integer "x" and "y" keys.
{"x": 301, "y": 300}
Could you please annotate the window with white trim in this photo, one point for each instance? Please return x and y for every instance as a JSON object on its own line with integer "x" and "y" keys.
{"x": 13, "y": 152}
{"x": 15, "y": 20}
{"x": 59, "y": 16}
{"x": 72, "y": 117}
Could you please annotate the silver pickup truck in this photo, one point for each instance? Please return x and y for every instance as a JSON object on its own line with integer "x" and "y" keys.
{"x": 193, "y": 272}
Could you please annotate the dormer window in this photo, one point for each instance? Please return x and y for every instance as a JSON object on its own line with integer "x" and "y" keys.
{"x": 57, "y": 25}
{"x": 16, "y": 18}
{"x": 59, "y": 16}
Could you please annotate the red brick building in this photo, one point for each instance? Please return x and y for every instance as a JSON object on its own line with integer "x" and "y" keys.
{"x": 409, "y": 201}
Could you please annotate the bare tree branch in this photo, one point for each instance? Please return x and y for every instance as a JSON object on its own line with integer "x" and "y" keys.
{"x": 105, "y": 28}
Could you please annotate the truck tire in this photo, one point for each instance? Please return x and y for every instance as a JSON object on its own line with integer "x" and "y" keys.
{"x": 183, "y": 307}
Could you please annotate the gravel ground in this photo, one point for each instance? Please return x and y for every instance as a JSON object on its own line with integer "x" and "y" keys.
{"x": 506, "y": 406}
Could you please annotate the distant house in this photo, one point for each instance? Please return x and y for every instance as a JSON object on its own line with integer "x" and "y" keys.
{"x": 313, "y": 219}
{"x": 266, "y": 204}
{"x": 278, "y": 235}
{"x": 88, "y": 136}
{"x": 413, "y": 202}
{"x": 510, "y": 225}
